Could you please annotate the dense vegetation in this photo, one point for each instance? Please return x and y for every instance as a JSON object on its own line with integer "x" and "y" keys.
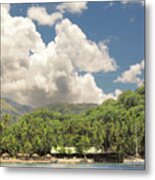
{"x": 116, "y": 125}
{"x": 64, "y": 108}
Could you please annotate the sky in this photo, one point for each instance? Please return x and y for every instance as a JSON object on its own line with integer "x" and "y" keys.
{"x": 83, "y": 52}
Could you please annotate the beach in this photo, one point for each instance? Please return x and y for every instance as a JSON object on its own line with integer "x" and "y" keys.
{"x": 53, "y": 160}
{"x": 64, "y": 160}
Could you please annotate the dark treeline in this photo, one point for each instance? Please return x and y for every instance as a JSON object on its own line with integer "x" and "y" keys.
{"x": 116, "y": 125}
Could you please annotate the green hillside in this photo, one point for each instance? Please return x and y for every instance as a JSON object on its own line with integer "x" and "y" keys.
{"x": 115, "y": 126}
{"x": 8, "y": 106}
{"x": 65, "y": 108}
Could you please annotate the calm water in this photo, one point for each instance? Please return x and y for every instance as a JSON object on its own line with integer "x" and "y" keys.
{"x": 105, "y": 166}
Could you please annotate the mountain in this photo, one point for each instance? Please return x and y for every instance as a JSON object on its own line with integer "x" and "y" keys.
{"x": 9, "y": 106}
{"x": 65, "y": 108}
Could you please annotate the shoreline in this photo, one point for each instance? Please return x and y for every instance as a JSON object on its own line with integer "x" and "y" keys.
{"x": 66, "y": 161}
{"x": 24, "y": 161}
{"x": 56, "y": 161}
{"x": 133, "y": 160}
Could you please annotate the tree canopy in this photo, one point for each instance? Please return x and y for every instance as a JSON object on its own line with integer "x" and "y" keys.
{"x": 116, "y": 125}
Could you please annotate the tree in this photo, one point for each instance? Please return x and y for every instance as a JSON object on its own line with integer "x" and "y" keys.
{"x": 83, "y": 145}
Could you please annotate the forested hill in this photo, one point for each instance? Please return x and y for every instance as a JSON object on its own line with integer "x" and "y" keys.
{"x": 115, "y": 126}
{"x": 9, "y": 106}
{"x": 66, "y": 108}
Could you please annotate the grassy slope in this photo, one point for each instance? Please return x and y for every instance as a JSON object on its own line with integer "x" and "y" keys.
{"x": 6, "y": 106}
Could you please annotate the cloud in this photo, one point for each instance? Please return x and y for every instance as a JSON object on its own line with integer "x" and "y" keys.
{"x": 72, "y": 7}
{"x": 36, "y": 74}
{"x": 18, "y": 37}
{"x": 7, "y": 7}
{"x": 125, "y": 2}
{"x": 117, "y": 92}
{"x": 84, "y": 54}
{"x": 131, "y": 75}
{"x": 40, "y": 15}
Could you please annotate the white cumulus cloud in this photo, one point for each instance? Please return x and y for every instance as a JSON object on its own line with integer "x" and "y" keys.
{"x": 72, "y": 7}
{"x": 84, "y": 54}
{"x": 40, "y": 15}
{"x": 132, "y": 74}
{"x": 36, "y": 74}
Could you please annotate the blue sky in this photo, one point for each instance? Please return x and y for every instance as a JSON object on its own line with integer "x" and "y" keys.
{"x": 121, "y": 25}
{"x": 114, "y": 29}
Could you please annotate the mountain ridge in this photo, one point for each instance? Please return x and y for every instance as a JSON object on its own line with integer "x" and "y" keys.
{"x": 9, "y": 106}
{"x": 70, "y": 108}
